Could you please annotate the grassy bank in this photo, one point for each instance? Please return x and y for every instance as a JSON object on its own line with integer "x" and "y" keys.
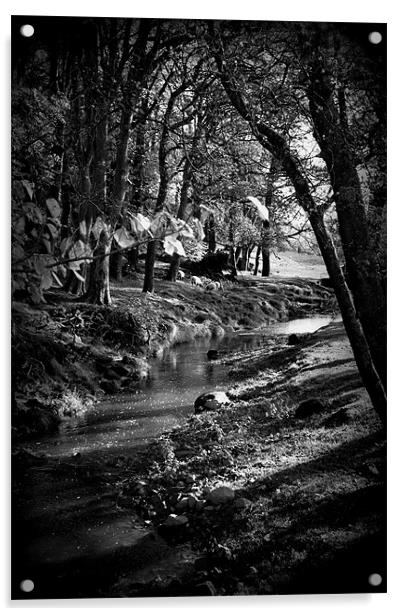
{"x": 305, "y": 505}
{"x": 67, "y": 353}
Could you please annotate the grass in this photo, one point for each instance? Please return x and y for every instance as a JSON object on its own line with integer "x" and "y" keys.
{"x": 315, "y": 490}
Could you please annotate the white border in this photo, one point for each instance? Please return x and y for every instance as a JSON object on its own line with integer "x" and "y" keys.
{"x": 303, "y": 10}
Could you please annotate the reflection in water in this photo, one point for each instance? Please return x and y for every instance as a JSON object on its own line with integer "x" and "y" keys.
{"x": 166, "y": 398}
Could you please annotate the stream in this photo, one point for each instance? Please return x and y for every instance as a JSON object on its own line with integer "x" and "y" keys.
{"x": 65, "y": 528}
{"x": 120, "y": 423}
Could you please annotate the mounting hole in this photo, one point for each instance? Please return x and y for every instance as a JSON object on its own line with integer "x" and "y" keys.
{"x": 27, "y": 30}
{"x": 375, "y": 579}
{"x": 27, "y": 585}
{"x": 375, "y": 38}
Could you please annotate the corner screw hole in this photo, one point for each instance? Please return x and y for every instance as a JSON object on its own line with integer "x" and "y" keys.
{"x": 375, "y": 579}
{"x": 27, "y": 30}
{"x": 27, "y": 585}
{"x": 375, "y": 38}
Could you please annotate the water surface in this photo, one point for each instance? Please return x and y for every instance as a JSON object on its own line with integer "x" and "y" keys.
{"x": 122, "y": 422}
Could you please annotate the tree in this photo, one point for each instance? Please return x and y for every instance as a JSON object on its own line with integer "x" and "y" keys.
{"x": 278, "y": 146}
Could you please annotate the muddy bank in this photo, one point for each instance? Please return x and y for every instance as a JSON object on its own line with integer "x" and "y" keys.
{"x": 67, "y": 353}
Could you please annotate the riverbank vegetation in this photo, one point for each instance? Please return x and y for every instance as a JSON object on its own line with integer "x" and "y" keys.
{"x": 176, "y": 179}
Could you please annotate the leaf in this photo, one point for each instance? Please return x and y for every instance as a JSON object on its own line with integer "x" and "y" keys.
{"x": 199, "y": 233}
{"x": 53, "y": 230}
{"x": 20, "y": 225}
{"x": 28, "y": 187}
{"x": 46, "y": 280}
{"x": 65, "y": 244}
{"x": 47, "y": 245}
{"x": 172, "y": 246}
{"x": 99, "y": 226}
{"x": 32, "y": 213}
{"x": 205, "y": 207}
{"x": 53, "y": 207}
{"x": 187, "y": 231}
{"x": 262, "y": 210}
{"x": 157, "y": 223}
{"x": 79, "y": 250}
{"x": 83, "y": 228}
{"x": 17, "y": 252}
{"x": 58, "y": 281}
{"x": 139, "y": 223}
{"x": 123, "y": 239}
{"x": 78, "y": 275}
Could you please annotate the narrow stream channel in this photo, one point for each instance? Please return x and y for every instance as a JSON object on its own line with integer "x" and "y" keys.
{"x": 120, "y": 423}
{"x": 59, "y": 518}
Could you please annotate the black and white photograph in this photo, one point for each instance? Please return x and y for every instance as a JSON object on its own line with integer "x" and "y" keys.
{"x": 198, "y": 307}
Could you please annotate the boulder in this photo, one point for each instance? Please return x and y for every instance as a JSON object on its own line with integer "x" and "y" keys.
{"x": 175, "y": 521}
{"x": 210, "y": 401}
{"x": 293, "y": 339}
{"x": 121, "y": 369}
{"x": 313, "y": 406}
{"x": 111, "y": 374}
{"x": 242, "y": 503}
{"x": 213, "y": 354}
{"x": 220, "y": 496}
{"x": 110, "y": 387}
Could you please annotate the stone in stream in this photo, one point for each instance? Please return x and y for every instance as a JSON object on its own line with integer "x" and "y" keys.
{"x": 175, "y": 521}
{"x": 174, "y": 527}
{"x": 213, "y": 354}
{"x": 313, "y": 406}
{"x": 220, "y": 496}
{"x": 210, "y": 401}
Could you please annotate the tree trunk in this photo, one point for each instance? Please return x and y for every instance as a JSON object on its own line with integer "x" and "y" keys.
{"x": 360, "y": 257}
{"x": 211, "y": 234}
{"x": 278, "y": 146}
{"x": 257, "y": 260}
{"x": 148, "y": 283}
{"x": 266, "y": 249}
{"x": 353, "y": 327}
{"x": 98, "y": 289}
{"x": 116, "y": 264}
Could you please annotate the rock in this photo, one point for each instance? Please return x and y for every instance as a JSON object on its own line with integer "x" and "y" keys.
{"x": 199, "y": 505}
{"x": 111, "y": 374}
{"x": 213, "y": 354}
{"x": 223, "y": 552}
{"x": 339, "y": 418}
{"x": 175, "y": 521}
{"x": 184, "y": 453}
{"x": 313, "y": 406}
{"x": 182, "y": 504}
{"x": 121, "y": 369}
{"x": 241, "y": 503}
{"x": 110, "y": 387}
{"x": 210, "y": 401}
{"x": 293, "y": 339}
{"x": 221, "y": 496}
{"x": 192, "y": 502}
{"x": 205, "y": 589}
